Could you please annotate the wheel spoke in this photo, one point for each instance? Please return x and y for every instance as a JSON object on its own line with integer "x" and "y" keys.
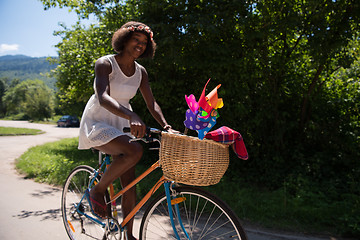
{"x": 78, "y": 226}
{"x": 203, "y": 215}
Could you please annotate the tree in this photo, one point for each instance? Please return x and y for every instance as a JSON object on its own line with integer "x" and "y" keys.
{"x": 31, "y": 98}
{"x": 75, "y": 72}
{"x": 3, "y": 87}
{"x": 78, "y": 51}
{"x": 273, "y": 59}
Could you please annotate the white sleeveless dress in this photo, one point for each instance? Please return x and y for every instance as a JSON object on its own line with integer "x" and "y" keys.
{"x": 99, "y": 126}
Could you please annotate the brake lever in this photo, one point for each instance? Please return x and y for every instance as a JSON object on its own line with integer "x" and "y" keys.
{"x": 145, "y": 140}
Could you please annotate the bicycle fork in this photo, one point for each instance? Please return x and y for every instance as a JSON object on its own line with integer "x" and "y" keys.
{"x": 172, "y": 202}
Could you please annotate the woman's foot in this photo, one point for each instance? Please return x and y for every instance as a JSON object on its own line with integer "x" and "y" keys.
{"x": 98, "y": 203}
{"x": 132, "y": 238}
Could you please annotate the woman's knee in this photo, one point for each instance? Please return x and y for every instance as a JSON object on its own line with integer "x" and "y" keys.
{"x": 121, "y": 146}
{"x": 135, "y": 150}
{"x": 130, "y": 155}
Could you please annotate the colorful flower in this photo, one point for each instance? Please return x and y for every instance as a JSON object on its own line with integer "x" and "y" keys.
{"x": 141, "y": 28}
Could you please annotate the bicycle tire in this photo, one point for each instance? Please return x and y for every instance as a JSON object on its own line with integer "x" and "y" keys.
{"x": 78, "y": 226}
{"x": 204, "y": 216}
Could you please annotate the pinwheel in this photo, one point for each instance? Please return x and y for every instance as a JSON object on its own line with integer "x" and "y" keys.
{"x": 201, "y": 115}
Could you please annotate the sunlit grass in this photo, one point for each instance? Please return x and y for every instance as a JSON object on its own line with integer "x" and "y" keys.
{"x": 10, "y": 131}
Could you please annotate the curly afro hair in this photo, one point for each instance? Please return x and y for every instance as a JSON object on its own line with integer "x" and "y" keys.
{"x": 123, "y": 34}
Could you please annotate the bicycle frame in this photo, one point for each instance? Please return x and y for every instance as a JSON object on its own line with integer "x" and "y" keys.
{"x": 113, "y": 196}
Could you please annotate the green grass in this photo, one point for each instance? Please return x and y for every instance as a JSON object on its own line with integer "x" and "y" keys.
{"x": 10, "y": 131}
{"x": 310, "y": 211}
{"x": 52, "y": 162}
{"x": 22, "y": 117}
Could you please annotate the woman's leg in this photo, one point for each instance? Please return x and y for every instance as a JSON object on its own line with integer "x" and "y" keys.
{"x": 128, "y": 200}
{"x": 125, "y": 156}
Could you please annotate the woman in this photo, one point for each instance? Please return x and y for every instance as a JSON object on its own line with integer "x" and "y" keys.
{"x": 117, "y": 78}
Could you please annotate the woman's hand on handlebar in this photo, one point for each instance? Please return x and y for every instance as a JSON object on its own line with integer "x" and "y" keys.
{"x": 173, "y": 131}
{"x": 169, "y": 129}
{"x": 137, "y": 126}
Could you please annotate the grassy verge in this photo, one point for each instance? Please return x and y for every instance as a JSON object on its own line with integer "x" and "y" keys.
{"x": 310, "y": 212}
{"x": 52, "y": 162}
{"x": 21, "y": 116}
{"x": 10, "y": 131}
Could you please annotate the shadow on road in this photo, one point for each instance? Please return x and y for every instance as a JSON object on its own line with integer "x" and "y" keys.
{"x": 50, "y": 214}
{"x": 49, "y": 191}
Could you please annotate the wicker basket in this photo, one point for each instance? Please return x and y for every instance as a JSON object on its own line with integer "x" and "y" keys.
{"x": 192, "y": 161}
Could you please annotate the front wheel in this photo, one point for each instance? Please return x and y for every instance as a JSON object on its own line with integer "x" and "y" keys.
{"x": 203, "y": 216}
{"x": 80, "y": 223}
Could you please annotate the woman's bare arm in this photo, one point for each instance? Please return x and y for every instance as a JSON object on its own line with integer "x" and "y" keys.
{"x": 151, "y": 103}
{"x": 102, "y": 71}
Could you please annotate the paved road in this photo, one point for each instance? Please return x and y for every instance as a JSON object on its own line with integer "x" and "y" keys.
{"x": 30, "y": 210}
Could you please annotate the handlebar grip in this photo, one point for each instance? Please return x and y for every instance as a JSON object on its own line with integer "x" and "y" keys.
{"x": 149, "y": 130}
{"x": 126, "y": 129}
{"x": 147, "y": 138}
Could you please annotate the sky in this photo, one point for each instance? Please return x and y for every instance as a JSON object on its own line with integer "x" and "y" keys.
{"x": 27, "y": 29}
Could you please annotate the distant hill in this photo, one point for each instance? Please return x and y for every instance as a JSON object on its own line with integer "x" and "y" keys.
{"x": 24, "y": 67}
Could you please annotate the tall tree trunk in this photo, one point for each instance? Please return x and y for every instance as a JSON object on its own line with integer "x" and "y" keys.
{"x": 305, "y": 113}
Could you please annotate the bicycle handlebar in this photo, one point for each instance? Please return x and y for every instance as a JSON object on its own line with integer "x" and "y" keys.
{"x": 148, "y": 131}
{"x": 147, "y": 138}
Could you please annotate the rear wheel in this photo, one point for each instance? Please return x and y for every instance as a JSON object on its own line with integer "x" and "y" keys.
{"x": 204, "y": 216}
{"x": 76, "y": 210}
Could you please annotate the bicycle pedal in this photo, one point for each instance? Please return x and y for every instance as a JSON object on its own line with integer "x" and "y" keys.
{"x": 177, "y": 200}
{"x": 71, "y": 226}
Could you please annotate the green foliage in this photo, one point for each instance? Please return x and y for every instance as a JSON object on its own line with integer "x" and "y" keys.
{"x": 3, "y": 88}
{"x": 32, "y": 98}
{"x": 75, "y": 72}
{"x": 273, "y": 59}
{"x": 78, "y": 52}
